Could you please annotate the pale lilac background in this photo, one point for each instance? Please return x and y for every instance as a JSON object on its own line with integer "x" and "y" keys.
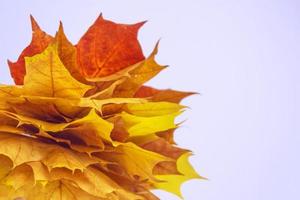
{"x": 242, "y": 56}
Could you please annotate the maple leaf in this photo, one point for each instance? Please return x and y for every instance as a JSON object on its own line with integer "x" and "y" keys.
{"x": 142, "y": 73}
{"x": 68, "y": 54}
{"x": 40, "y": 41}
{"x": 162, "y": 95}
{"x": 108, "y": 47}
{"x": 81, "y": 124}
{"x": 172, "y": 182}
{"x": 53, "y": 80}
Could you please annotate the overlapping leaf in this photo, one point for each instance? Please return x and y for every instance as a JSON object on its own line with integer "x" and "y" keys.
{"x": 80, "y": 124}
{"x": 40, "y": 41}
{"x": 108, "y": 47}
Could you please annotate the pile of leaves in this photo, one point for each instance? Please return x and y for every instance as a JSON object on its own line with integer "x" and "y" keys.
{"x": 80, "y": 124}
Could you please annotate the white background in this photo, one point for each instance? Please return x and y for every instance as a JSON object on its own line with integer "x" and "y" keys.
{"x": 242, "y": 56}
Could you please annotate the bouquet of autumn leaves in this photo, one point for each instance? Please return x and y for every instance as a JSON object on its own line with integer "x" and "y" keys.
{"x": 80, "y": 124}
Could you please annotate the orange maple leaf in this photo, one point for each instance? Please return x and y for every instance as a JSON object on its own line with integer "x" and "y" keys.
{"x": 40, "y": 40}
{"x": 108, "y": 47}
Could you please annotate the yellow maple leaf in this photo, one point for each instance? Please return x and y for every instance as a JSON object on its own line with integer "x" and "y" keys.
{"x": 139, "y": 126}
{"x": 172, "y": 182}
{"x": 47, "y": 76}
